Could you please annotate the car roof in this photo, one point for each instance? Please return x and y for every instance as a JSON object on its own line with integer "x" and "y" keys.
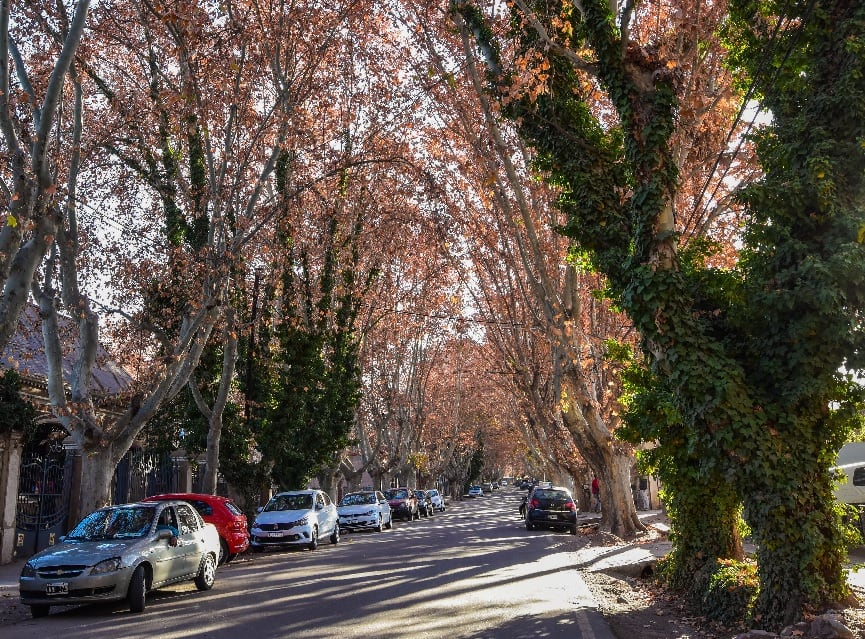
{"x": 130, "y": 505}
{"x": 186, "y": 497}
{"x": 305, "y": 491}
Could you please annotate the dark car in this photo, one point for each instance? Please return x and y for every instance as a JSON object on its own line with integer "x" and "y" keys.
{"x": 223, "y": 513}
{"x": 424, "y": 503}
{"x": 403, "y": 503}
{"x": 551, "y": 508}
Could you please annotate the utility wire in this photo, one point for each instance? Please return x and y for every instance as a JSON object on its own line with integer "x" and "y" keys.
{"x": 753, "y": 86}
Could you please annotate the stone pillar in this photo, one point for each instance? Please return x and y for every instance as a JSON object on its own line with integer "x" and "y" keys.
{"x": 184, "y": 475}
{"x": 11, "y": 447}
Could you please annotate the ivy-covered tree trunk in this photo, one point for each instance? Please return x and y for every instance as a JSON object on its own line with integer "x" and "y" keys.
{"x": 804, "y": 268}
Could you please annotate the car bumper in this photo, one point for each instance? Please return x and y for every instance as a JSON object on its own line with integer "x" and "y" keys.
{"x": 237, "y": 542}
{"x": 81, "y": 589}
{"x": 557, "y": 519}
{"x": 265, "y": 538}
{"x": 363, "y": 521}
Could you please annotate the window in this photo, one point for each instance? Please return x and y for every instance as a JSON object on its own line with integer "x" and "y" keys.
{"x": 188, "y": 519}
{"x": 204, "y": 509}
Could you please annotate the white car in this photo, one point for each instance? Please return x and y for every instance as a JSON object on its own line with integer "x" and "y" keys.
{"x": 476, "y": 491}
{"x": 437, "y": 499}
{"x": 295, "y": 518}
{"x": 364, "y": 509}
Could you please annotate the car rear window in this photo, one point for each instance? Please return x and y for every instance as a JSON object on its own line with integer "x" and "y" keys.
{"x": 546, "y": 493}
{"x": 232, "y": 508}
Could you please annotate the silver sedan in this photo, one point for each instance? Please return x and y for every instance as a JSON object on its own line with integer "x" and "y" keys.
{"x": 121, "y": 552}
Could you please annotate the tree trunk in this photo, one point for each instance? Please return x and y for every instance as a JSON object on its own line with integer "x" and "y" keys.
{"x": 97, "y": 472}
{"x": 610, "y": 461}
{"x": 214, "y": 432}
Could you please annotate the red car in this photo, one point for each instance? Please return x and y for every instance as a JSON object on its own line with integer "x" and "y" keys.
{"x": 222, "y": 513}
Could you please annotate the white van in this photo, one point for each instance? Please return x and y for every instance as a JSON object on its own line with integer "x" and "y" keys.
{"x": 851, "y": 462}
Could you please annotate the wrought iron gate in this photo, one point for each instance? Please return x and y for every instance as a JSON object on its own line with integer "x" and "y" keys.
{"x": 43, "y": 499}
{"x": 141, "y": 474}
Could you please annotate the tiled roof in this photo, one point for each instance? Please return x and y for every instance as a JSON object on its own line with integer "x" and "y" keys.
{"x": 25, "y": 353}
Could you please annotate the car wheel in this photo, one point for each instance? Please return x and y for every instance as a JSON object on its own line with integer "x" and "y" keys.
{"x": 231, "y": 557}
{"x": 39, "y": 610}
{"x": 389, "y": 523}
{"x": 380, "y": 527}
{"x": 313, "y": 539}
{"x": 223, "y": 552}
{"x": 206, "y": 573}
{"x": 529, "y": 525}
{"x": 334, "y": 536}
{"x": 137, "y": 590}
{"x": 256, "y": 549}
{"x": 574, "y": 529}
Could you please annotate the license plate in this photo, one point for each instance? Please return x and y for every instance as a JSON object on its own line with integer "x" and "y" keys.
{"x": 276, "y": 534}
{"x": 554, "y": 516}
{"x": 60, "y": 588}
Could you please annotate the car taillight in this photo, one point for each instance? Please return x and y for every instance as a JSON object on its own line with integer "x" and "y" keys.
{"x": 237, "y": 525}
{"x": 534, "y": 503}
{"x": 570, "y": 505}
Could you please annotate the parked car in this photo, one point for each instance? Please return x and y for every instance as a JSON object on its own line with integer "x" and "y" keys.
{"x": 403, "y": 503}
{"x": 476, "y": 491}
{"x": 487, "y": 487}
{"x": 122, "y": 552}
{"x": 424, "y": 503}
{"x": 223, "y": 513}
{"x": 437, "y": 499}
{"x": 364, "y": 509}
{"x": 551, "y": 508}
{"x": 295, "y": 518}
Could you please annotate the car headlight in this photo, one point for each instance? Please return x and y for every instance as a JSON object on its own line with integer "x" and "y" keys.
{"x": 29, "y": 570}
{"x": 368, "y": 513}
{"x": 106, "y": 565}
{"x": 303, "y": 521}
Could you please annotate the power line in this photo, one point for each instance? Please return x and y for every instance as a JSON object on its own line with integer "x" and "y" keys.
{"x": 745, "y": 100}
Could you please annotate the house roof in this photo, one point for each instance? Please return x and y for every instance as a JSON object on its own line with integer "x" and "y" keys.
{"x": 25, "y": 353}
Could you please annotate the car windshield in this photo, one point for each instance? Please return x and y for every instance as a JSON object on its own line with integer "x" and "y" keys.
{"x": 397, "y": 494}
{"x": 127, "y": 522}
{"x": 289, "y": 502}
{"x": 433, "y": 493}
{"x": 358, "y": 499}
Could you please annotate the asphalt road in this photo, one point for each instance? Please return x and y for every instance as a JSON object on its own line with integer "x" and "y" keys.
{"x": 472, "y": 572}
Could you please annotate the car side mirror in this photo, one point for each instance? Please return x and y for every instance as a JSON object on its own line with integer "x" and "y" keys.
{"x": 259, "y": 509}
{"x": 164, "y": 534}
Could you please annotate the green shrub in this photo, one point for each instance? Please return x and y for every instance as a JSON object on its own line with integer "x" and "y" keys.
{"x": 730, "y": 591}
